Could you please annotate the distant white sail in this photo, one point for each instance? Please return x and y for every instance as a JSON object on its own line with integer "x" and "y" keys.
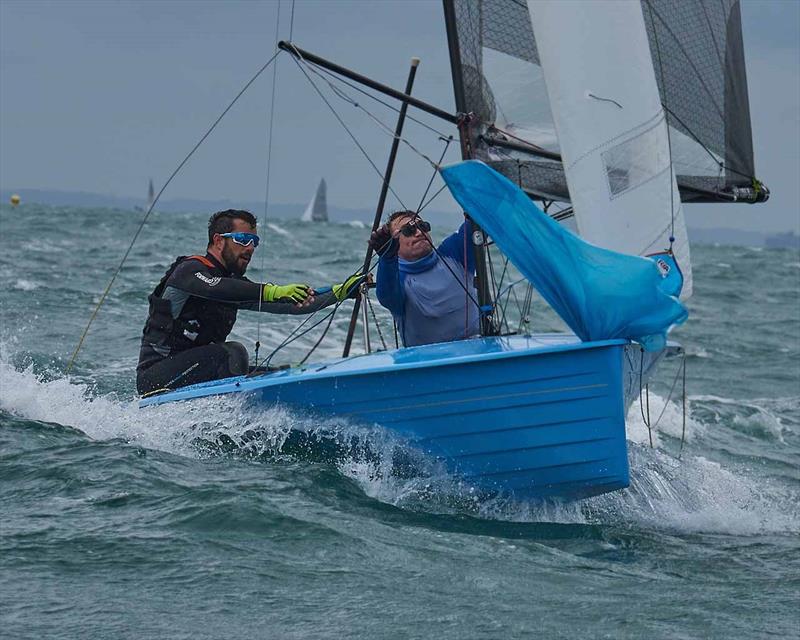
{"x": 611, "y": 126}
{"x": 317, "y": 209}
{"x": 151, "y": 195}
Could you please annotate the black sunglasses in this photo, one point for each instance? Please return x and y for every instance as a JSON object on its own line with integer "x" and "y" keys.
{"x": 410, "y": 228}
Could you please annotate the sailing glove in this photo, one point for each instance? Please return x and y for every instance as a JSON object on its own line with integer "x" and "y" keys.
{"x": 348, "y": 288}
{"x": 294, "y": 292}
{"x": 383, "y": 243}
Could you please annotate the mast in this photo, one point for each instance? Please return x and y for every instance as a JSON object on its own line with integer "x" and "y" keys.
{"x": 464, "y": 123}
{"x": 401, "y": 118}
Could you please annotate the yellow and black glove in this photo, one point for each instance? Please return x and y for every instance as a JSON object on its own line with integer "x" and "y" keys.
{"x": 288, "y": 292}
{"x": 348, "y": 288}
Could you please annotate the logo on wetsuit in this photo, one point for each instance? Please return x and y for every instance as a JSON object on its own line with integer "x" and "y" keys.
{"x": 209, "y": 281}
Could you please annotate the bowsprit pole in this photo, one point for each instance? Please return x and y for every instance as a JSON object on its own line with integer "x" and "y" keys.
{"x": 382, "y": 199}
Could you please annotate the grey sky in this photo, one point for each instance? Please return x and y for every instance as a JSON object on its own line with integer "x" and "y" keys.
{"x": 101, "y": 95}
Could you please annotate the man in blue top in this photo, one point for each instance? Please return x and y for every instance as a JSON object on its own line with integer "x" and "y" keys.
{"x": 430, "y": 291}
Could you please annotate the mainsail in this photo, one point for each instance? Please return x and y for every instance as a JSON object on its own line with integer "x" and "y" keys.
{"x": 698, "y": 59}
{"x": 317, "y": 209}
{"x": 611, "y": 127}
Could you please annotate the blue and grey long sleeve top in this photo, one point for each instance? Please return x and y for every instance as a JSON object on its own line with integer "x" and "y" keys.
{"x": 427, "y": 297}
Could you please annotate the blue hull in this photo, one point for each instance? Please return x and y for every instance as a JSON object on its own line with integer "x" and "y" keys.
{"x": 533, "y": 416}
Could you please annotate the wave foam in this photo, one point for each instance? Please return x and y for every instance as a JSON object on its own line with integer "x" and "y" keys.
{"x": 695, "y": 494}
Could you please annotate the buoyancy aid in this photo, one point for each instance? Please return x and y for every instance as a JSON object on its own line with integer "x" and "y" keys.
{"x": 199, "y": 322}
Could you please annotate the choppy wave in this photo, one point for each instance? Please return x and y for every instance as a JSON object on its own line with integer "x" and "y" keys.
{"x": 692, "y": 493}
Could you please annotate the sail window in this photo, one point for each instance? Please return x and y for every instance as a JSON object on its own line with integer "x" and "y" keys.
{"x": 520, "y": 99}
{"x": 637, "y": 160}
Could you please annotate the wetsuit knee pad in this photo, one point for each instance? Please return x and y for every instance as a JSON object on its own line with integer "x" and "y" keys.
{"x": 238, "y": 358}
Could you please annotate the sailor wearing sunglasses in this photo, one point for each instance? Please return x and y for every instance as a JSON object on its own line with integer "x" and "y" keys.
{"x": 193, "y": 308}
{"x": 429, "y": 290}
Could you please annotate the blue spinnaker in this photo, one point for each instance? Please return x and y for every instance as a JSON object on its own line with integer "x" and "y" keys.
{"x": 600, "y": 294}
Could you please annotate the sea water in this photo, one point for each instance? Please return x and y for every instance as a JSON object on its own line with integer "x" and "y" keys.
{"x": 215, "y": 519}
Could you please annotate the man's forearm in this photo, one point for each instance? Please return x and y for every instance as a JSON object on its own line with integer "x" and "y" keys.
{"x": 291, "y": 308}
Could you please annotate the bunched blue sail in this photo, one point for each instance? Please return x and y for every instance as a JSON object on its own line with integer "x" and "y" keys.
{"x": 600, "y": 294}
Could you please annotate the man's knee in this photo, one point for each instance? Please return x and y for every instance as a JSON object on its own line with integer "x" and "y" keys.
{"x": 238, "y": 358}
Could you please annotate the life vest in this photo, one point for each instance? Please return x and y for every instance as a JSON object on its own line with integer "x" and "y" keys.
{"x": 200, "y": 321}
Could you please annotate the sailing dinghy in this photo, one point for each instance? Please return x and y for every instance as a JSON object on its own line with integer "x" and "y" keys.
{"x": 613, "y": 113}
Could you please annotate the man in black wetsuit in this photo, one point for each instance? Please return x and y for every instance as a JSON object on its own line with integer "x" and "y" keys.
{"x": 193, "y": 308}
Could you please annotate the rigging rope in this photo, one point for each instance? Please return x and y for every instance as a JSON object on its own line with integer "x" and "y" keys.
{"x": 646, "y": 388}
{"x": 680, "y": 370}
{"x": 447, "y": 140}
{"x": 153, "y": 204}
{"x": 377, "y": 99}
{"x": 493, "y": 281}
{"x": 375, "y": 319}
{"x": 344, "y": 126}
{"x": 721, "y": 165}
{"x": 269, "y": 167}
{"x": 499, "y": 286}
{"x": 318, "y": 342}
{"x": 525, "y": 311}
{"x": 432, "y": 198}
{"x": 672, "y": 176}
{"x": 341, "y": 94}
{"x": 294, "y": 335}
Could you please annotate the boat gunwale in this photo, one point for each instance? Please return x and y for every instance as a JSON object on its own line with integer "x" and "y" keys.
{"x": 326, "y": 370}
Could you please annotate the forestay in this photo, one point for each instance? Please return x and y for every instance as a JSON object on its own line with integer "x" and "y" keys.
{"x": 698, "y": 57}
{"x": 611, "y": 127}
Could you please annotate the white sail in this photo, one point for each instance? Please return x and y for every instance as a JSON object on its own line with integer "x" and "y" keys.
{"x": 317, "y": 209}
{"x": 611, "y": 126}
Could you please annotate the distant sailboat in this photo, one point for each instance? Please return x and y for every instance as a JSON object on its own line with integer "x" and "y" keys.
{"x": 317, "y": 209}
{"x": 151, "y": 196}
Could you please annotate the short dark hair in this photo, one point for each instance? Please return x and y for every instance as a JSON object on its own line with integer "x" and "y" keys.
{"x": 222, "y": 221}
{"x": 401, "y": 214}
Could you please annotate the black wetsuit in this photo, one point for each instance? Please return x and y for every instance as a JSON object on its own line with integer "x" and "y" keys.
{"x": 192, "y": 310}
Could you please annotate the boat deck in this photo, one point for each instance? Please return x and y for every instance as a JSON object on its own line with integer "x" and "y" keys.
{"x": 422, "y": 357}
